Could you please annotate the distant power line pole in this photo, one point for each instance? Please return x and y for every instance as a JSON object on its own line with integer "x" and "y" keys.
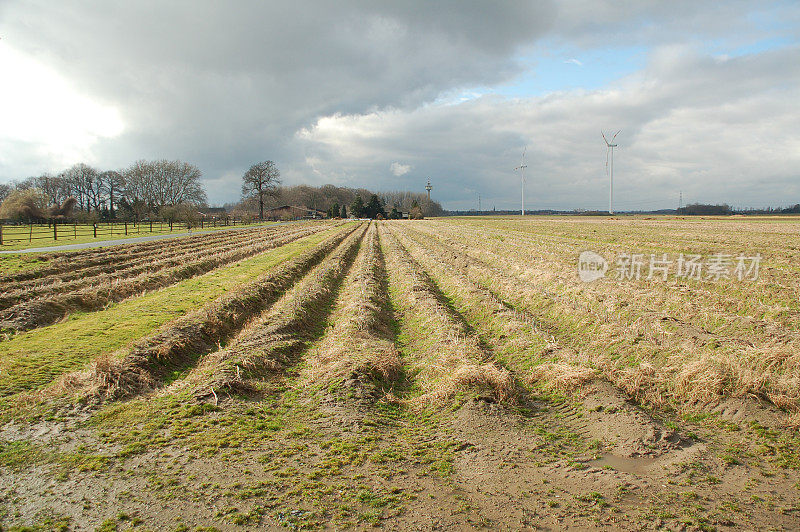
{"x": 479, "y": 203}
{"x": 680, "y": 200}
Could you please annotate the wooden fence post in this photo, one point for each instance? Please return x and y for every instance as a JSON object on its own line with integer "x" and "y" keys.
{"x": 94, "y": 227}
{"x": 126, "y": 227}
{"x": 74, "y": 230}
{"x": 30, "y": 235}
{"x": 1, "y": 234}
{"x": 55, "y": 231}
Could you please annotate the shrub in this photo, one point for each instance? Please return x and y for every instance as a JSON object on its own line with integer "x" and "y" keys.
{"x": 24, "y": 205}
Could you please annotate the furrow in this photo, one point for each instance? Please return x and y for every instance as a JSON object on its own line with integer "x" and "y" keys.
{"x": 654, "y": 372}
{"x": 111, "y": 274}
{"x": 273, "y": 342}
{"x": 64, "y": 262}
{"x": 183, "y": 341}
{"x": 124, "y": 260}
{"x": 629, "y": 431}
{"x": 38, "y": 313}
{"x": 444, "y": 357}
{"x": 357, "y": 358}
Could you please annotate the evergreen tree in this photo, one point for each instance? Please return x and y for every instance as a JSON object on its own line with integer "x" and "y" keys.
{"x": 343, "y": 214}
{"x": 357, "y": 208}
{"x": 374, "y": 207}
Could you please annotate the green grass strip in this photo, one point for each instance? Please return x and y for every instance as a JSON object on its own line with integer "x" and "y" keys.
{"x": 33, "y": 359}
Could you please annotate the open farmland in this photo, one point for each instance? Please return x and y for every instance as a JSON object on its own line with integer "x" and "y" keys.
{"x": 449, "y": 373}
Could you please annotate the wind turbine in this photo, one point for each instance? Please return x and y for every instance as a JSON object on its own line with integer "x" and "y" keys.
{"x": 610, "y": 148}
{"x": 522, "y": 168}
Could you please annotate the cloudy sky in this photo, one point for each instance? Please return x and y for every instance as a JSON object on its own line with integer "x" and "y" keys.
{"x": 386, "y": 95}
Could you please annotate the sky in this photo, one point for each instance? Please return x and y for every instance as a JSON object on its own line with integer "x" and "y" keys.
{"x": 389, "y": 94}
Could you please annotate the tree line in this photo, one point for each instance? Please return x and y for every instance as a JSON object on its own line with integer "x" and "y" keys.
{"x": 330, "y": 198}
{"x": 172, "y": 190}
{"x": 146, "y": 188}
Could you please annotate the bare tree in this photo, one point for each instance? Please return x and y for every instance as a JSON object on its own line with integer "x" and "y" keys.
{"x": 163, "y": 183}
{"x": 83, "y": 184}
{"x": 5, "y": 190}
{"x": 111, "y": 183}
{"x": 55, "y": 187}
{"x": 261, "y": 181}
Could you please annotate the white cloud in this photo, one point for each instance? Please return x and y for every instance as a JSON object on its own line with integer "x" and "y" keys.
{"x": 717, "y": 130}
{"x": 574, "y": 61}
{"x": 400, "y": 169}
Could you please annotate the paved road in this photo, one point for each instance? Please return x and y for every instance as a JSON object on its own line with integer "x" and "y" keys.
{"x": 101, "y": 243}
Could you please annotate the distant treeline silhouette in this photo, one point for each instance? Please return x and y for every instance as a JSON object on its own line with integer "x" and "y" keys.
{"x": 325, "y": 197}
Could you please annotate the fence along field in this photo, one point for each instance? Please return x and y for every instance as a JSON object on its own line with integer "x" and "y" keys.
{"x": 18, "y": 235}
{"x": 448, "y": 372}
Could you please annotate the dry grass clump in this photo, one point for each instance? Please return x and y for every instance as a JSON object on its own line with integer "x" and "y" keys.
{"x": 793, "y": 421}
{"x": 482, "y": 379}
{"x": 105, "y": 379}
{"x": 705, "y": 379}
{"x": 643, "y": 382}
{"x": 447, "y": 357}
{"x": 272, "y": 342}
{"x": 186, "y": 339}
{"x": 560, "y": 377}
{"x": 358, "y": 350}
{"x": 48, "y": 310}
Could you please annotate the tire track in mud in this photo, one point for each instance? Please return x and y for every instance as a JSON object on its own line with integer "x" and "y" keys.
{"x": 111, "y": 274}
{"x": 273, "y": 342}
{"x": 605, "y": 413}
{"x": 46, "y": 311}
{"x": 182, "y": 342}
{"x": 445, "y": 358}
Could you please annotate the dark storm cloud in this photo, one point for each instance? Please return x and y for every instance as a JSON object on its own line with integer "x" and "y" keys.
{"x": 343, "y": 91}
{"x": 225, "y": 84}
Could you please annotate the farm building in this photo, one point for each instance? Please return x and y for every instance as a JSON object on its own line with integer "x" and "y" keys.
{"x": 292, "y": 212}
{"x": 216, "y": 212}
